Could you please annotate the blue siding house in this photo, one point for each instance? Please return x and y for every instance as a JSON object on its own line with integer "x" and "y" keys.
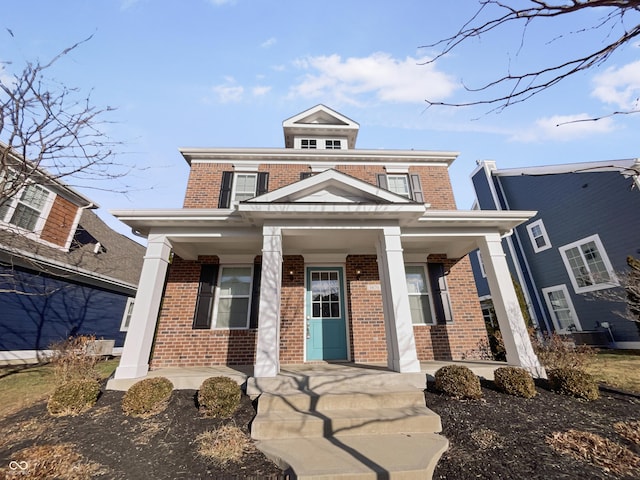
{"x": 63, "y": 271}
{"x": 565, "y": 257}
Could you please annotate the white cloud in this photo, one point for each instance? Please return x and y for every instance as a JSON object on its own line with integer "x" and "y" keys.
{"x": 619, "y": 86}
{"x": 564, "y": 128}
{"x": 379, "y": 74}
{"x": 228, "y": 92}
{"x": 260, "y": 90}
{"x": 268, "y": 43}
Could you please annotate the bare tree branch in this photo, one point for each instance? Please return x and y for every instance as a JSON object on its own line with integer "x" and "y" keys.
{"x": 513, "y": 88}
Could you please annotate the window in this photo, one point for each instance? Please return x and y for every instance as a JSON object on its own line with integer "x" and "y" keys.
{"x": 244, "y": 186}
{"x": 332, "y": 144}
{"x": 308, "y": 143}
{"x": 126, "y": 318}
{"x": 325, "y": 294}
{"x": 25, "y": 209}
{"x": 234, "y": 297}
{"x": 419, "y": 298}
{"x": 402, "y": 184}
{"x": 588, "y": 265}
{"x": 238, "y": 186}
{"x": 561, "y": 309}
{"x": 481, "y": 264}
{"x": 538, "y": 235}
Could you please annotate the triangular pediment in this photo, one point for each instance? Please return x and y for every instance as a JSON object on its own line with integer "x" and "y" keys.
{"x": 320, "y": 121}
{"x": 331, "y": 187}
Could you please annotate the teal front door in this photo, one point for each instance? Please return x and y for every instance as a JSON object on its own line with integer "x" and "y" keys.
{"x": 326, "y": 328}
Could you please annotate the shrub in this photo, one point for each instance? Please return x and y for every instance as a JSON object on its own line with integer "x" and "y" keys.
{"x": 219, "y": 397}
{"x": 515, "y": 381}
{"x": 147, "y": 397}
{"x": 554, "y": 351}
{"x": 73, "y": 398}
{"x": 458, "y": 381}
{"x": 570, "y": 381}
{"x": 71, "y": 361}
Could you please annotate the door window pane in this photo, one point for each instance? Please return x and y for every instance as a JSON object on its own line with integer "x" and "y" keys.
{"x": 325, "y": 294}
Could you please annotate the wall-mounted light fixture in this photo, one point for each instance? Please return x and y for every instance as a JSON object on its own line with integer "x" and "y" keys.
{"x": 290, "y": 274}
{"x": 358, "y": 274}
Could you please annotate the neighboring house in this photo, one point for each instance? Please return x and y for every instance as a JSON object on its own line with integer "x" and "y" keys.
{"x": 566, "y": 256}
{"x": 314, "y": 252}
{"x": 63, "y": 271}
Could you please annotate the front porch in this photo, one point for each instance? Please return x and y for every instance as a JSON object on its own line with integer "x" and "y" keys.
{"x": 336, "y": 376}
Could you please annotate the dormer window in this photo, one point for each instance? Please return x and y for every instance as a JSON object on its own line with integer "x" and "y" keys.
{"x": 308, "y": 143}
{"x": 25, "y": 209}
{"x": 333, "y": 144}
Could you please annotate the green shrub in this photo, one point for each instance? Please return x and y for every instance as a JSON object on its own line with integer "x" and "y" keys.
{"x": 147, "y": 397}
{"x": 74, "y": 397}
{"x": 515, "y": 381}
{"x": 458, "y": 381}
{"x": 570, "y": 381}
{"x": 219, "y": 397}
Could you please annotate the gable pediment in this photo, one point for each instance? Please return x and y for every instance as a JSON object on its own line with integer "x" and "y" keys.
{"x": 331, "y": 187}
{"x": 320, "y": 121}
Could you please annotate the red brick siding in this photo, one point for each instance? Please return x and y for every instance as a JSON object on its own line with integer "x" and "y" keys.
{"x": 203, "y": 188}
{"x": 58, "y": 225}
{"x": 367, "y": 337}
{"x": 292, "y": 314}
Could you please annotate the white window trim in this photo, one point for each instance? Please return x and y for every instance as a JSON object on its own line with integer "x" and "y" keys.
{"x": 429, "y": 293}
{"x": 547, "y": 243}
{"x": 126, "y": 315}
{"x": 214, "y": 321}
{"x": 235, "y": 182}
{"x": 334, "y": 140}
{"x": 613, "y": 282}
{"x": 552, "y": 313}
{"x": 403, "y": 175}
{"x": 42, "y": 217}
{"x": 481, "y": 264}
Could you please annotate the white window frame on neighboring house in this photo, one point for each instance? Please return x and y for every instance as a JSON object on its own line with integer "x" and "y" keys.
{"x": 245, "y": 193}
{"x": 592, "y": 275}
{"x": 391, "y": 184}
{"x": 481, "y": 264}
{"x": 426, "y": 292}
{"x": 554, "y": 309}
{"x": 19, "y": 203}
{"x": 536, "y": 233}
{"x": 126, "y": 317}
{"x": 221, "y": 294}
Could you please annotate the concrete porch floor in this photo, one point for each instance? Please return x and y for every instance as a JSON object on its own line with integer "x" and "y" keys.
{"x": 190, "y": 378}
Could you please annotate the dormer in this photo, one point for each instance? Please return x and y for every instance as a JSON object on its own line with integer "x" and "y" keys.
{"x": 320, "y": 128}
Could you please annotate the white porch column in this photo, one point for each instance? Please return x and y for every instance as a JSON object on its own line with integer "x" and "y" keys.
{"x": 401, "y": 345}
{"x": 268, "y": 348}
{"x": 134, "y": 362}
{"x": 505, "y": 302}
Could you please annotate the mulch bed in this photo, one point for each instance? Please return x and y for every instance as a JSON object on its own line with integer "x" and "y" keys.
{"x": 498, "y": 437}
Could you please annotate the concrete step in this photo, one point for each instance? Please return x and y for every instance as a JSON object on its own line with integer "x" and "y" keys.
{"x": 352, "y": 381}
{"x": 311, "y": 402}
{"x": 299, "y": 424}
{"x": 359, "y": 457}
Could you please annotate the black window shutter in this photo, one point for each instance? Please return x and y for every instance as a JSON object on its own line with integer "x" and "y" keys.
{"x": 441, "y": 300}
{"x": 304, "y": 175}
{"x": 206, "y": 294}
{"x": 225, "y": 190}
{"x": 263, "y": 183}
{"x": 382, "y": 180}
{"x": 416, "y": 188}
{"x": 255, "y": 295}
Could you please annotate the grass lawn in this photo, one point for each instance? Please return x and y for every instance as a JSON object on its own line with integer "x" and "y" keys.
{"x": 617, "y": 368}
{"x": 22, "y": 386}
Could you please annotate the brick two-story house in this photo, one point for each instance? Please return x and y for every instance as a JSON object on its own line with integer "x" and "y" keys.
{"x": 316, "y": 252}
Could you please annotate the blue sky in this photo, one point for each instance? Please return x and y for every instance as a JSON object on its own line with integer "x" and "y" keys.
{"x": 226, "y": 73}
